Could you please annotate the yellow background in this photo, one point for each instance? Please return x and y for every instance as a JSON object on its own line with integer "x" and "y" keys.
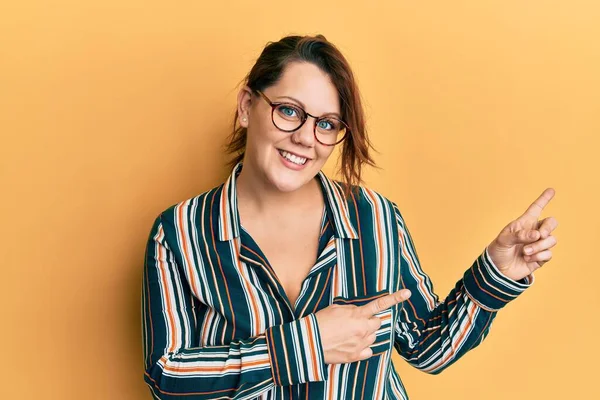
{"x": 110, "y": 111}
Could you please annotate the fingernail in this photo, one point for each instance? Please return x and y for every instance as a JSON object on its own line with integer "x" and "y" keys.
{"x": 532, "y": 235}
{"x": 406, "y": 294}
{"x": 528, "y": 250}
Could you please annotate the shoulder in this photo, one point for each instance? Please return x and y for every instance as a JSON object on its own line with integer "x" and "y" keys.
{"x": 205, "y": 204}
{"x": 363, "y": 197}
{"x": 364, "y": 201}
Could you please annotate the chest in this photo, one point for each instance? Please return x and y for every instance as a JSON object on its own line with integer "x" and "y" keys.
{"x": 290, "y": 249}
{"x": 277, "y": 272}
{"x": 247, "y": 293}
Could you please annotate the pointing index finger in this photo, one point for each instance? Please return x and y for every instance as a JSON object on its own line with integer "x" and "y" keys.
{"x": 535, "y": 209}
{"x": 385, "y": 302}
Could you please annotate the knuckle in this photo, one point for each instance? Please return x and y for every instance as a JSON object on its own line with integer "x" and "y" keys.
{"x": 379, "y": 305}
{"x": 360, "y": 331}
{"x": 365, "y": 332}
{"x": 358, "y": 355}
{"x": 536, "y": 248}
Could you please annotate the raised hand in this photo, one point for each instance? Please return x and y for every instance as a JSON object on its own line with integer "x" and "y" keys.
{"x": 509, "y": 251}
{"x": 348, "y": 331}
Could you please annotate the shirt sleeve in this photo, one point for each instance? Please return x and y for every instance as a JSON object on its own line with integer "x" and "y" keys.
{"x": 177, "y": 367}
{"x": 431, "y": 334}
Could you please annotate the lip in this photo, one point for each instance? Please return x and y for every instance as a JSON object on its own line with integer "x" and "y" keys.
{"x": 296, "y": 154}
{"x": 290, "y": 164}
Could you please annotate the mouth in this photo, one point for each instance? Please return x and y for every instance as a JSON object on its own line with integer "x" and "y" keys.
{"x": 293, "y": 158}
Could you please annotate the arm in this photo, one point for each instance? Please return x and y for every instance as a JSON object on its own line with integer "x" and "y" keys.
{"x": 176, "y": 368}
{"x": 430, "y": 334}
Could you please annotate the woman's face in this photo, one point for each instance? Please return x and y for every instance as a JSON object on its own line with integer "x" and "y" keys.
{"x": 268, "y": 149}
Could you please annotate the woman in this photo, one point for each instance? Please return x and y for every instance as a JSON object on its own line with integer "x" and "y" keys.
{"x": 282, "y": 284}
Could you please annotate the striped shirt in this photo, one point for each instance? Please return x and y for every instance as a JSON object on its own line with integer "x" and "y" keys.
{"x": 217, "y": 323}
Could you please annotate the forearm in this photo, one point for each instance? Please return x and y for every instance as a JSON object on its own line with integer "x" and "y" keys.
{"x": 434, "y": 340}
{"x": 240, "y": 369}
{"x": 432, "y": 334}
{"x": 284, "y": 355}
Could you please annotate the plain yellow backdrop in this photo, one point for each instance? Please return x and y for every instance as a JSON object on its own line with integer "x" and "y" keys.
{"x": 111, "y": 111}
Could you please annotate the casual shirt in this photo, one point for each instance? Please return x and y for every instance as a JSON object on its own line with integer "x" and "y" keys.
{"x": 217, "y": 323}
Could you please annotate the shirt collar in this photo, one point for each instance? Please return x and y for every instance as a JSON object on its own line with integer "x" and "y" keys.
{"x": 337, "y": 208}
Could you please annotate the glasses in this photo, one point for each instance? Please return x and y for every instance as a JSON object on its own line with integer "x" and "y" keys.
{"x": 289, "y": 117}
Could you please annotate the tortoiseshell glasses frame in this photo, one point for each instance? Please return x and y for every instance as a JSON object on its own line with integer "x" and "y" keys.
{"x": 286, "y": 122}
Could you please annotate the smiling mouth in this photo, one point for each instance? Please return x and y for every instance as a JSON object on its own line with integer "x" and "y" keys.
{"x": 293, "y": 158}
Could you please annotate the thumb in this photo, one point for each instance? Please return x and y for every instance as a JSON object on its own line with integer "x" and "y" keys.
{"x": 522, "y": 236}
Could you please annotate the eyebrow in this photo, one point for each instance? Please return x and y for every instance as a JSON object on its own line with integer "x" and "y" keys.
{"x": 304, "y": 107}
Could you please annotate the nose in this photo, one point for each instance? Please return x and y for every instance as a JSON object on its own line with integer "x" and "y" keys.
{"x": 305, "y": 135}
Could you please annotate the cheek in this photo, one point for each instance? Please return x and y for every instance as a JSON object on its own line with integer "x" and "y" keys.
{"x": 263, "y": 132}
{"x": 258, "y": 139}
{"x": 324, "y": 152}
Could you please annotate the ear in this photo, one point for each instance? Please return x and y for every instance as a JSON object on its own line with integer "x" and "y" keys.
{"x": 244, "y": 103}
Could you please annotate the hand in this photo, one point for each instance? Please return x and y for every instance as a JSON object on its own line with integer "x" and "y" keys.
{"x": 347, "y": 331}
{"x": 508, "y": 250}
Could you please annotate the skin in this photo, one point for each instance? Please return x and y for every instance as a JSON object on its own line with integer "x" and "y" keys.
{"x": 508, "y": 250}
{"x": 282, "y": 209}
{"x": 263, "y": 172}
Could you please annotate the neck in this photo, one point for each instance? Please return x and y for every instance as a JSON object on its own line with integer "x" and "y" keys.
{"x": 256, "y": 195}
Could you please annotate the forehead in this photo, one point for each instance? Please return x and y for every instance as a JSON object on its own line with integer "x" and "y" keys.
{"x": 310, "y": 85}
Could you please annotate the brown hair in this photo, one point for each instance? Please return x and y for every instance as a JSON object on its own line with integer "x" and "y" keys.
{"x": 319, "y": 51}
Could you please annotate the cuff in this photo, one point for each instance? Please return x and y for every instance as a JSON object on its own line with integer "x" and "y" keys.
{"x": 488, "y": 287}
{"x": 296, "y": 352}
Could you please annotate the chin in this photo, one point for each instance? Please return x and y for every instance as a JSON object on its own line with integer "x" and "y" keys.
{"x": 288, "y": 185}
{"x": 286, "y": 181}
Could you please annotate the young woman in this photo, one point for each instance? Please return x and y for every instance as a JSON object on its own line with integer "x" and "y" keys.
{"x": 283, "y": 284}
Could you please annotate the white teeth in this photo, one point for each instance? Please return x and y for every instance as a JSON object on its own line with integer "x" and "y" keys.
{"x": 293, "y": 158}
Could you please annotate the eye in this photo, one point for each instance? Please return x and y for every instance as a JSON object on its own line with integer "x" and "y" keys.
{"x": 327, "y": 125}
{"x": 288, "y": 111}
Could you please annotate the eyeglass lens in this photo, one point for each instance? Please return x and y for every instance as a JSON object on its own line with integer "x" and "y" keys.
{"x": 288, "y": 117}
